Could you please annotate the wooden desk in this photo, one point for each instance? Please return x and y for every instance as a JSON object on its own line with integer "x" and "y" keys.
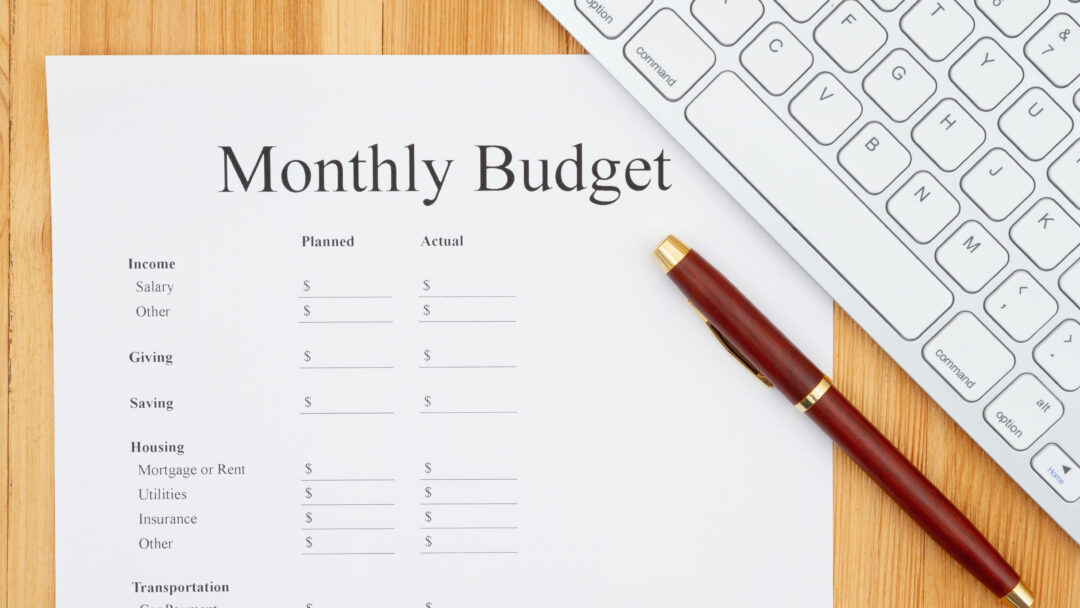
{"x": 882, "y": 559}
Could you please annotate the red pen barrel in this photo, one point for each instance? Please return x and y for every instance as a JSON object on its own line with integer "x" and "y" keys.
{"x": 765, "y": 347}
{"x": 891, "y": 470}
{"x": 742, "y": 324}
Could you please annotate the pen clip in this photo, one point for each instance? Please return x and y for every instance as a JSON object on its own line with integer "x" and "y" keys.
{"x": 734, "y": 352}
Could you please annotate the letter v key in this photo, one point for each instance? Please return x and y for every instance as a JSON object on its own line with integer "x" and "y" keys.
{"x": 830, "y": 114}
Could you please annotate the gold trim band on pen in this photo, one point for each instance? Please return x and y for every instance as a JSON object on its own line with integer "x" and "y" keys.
{"x": 671, "y": 252}
{"x": 1020, "y": 597}
{"x": 808, "y": 401}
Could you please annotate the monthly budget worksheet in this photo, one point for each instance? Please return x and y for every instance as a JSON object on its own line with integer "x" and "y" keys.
{"x": 387, "y": 332}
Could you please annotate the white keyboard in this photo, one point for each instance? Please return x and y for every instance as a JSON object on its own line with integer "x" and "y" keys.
{"x": 921, "y": 159}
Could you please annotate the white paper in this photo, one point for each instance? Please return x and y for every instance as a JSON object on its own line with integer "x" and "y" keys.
{"x": 588, "y": 444}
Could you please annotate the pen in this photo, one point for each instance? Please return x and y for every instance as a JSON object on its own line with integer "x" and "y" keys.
{"x": 769, "y": 355}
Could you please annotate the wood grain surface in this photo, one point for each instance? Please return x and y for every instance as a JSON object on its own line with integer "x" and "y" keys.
{"x": 882, "y": 559}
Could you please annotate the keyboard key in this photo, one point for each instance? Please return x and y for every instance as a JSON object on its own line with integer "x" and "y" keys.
{"x": 1058, "y": 470}
{"x": 888, "y": 5}
{"x": 825, "y": 108}
{"x": 727, "y": 21}
{"x": 801, "y": 10}
{"x": 874, "y": 158}
{"x": 1065, "y": 173}
{"x": 747, "y": 133}
{"x": 986, "y": 74}
{"x": 850, "y": 35}
{"x": 899, "y": 85}
{"x": 1055, "y": 50}
{"x": 937, "y": 26}
{"x": 968, "y": 357}
{"x": 1059, "y": 355}
{"x": 1046, "y": 234}
{"x": 997, "y": 184}
{"x": 1023, "y": 412}
{"x": 612, "y": 17}
{"x": 669, "y": 54}
{"x": 1070, "y": 283}
{"x": 1021, "y": 306}
{"x": 1012, "y": 16}
{"x": 776, "y": 59}
{"x": 1035, "y": 123}
{"x": 972, "y": 257}
{"x": 923, "y": 207}
{"x": 948, "y": 135}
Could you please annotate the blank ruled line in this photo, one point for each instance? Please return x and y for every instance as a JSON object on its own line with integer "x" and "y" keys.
{"x": 347, "y": 413}
{"x": 468, "y": 366}
{"x": 468, "y": 321}
{"x": 344, "y": 529}
{"x": 339, "y": 367}
{"x": 347, "y": 504}
{"x": 468, "y": 552}
{"x": 346, "y": 297}
{"x": 475, "y": 412}
{"x": 469, "y": 528}
{"x": 346, "y": 480}
{"x": 351, "y": 553}
{"x": 468, "y": 504}
{"x": 343, "y": 322}
{"x": 468, "y": 479}
{"x": 466, "y": 296}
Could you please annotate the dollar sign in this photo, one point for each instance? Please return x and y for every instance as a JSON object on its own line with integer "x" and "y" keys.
{"x": 427, "y": 605}
{"x": 427, "y": 285}
{"x": 427, "y": 355}
{"x": 427, "y": 541}
{"x": 427, "y": 492}
{"x": 427, "y": 467}
{"x": 307, "y": 310}
{"x": 307, "y": 516}
{"x": 307, "y": 285}
{"x": 307, "y": 356}
{"x": 307, "y": 401}
{"x": 307, "y": 492}
{"x": 427, "y": 400}
{"x": 427, "y": 516}
{"x": 307, "y": 541}
{"x": 427, "y": 310}
{"x": 308, "y": 468}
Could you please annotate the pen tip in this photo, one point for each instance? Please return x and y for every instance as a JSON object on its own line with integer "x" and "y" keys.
{"x": 670, "y": 252}
{"x": 1020, "y": 597}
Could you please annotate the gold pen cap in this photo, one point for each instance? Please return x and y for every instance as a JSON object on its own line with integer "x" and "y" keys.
{"x": 1020, "y": 597}
{"x": 671, "y": 252}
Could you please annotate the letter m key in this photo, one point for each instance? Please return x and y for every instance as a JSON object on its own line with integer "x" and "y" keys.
{"x": 971, "y": 245}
